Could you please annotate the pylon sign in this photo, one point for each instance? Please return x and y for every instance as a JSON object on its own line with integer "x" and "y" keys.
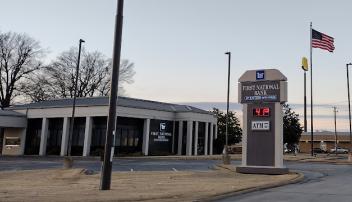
{"x": 262, "y": 93}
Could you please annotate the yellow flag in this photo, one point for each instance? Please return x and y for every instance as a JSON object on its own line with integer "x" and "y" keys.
{"x": 305, "y": 64}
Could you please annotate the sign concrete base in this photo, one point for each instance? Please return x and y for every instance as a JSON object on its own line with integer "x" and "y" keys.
{"x": 261, "y": 170}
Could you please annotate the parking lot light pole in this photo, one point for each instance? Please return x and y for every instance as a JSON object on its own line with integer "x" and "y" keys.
{"x": 68, "y": 160}
{"x": 226, "y": 157}
{"x": 74, "y": 98}
{"x": 349, "y": 111}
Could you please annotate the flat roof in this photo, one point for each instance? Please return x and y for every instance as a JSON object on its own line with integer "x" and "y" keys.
{"x": 10, "y": 113}
{"x": 104, "y": 101}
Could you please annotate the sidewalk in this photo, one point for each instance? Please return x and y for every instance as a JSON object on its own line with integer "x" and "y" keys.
{"x": 73, "y": 185}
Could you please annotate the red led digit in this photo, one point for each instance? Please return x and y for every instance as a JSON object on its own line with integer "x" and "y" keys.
{"x": 257, "y": 111}
{"x": 266, "y": 111}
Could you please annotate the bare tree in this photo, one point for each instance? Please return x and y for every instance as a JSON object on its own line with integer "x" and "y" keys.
{"x": 57, "y": 79}
{"x": 37, "y": 88}
{"x": 125, "y": 77}
{"x": 19, "y": 57}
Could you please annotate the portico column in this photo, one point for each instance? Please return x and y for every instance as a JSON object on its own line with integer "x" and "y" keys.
{"x": 211, "y": 139}
{"x": 43, "y": 137}
{"x": 64, "y": 139}
{"x": 189, "y": 138}
{"x": 173, "y": 137}
{"x": 180, "y": 134}
{"x": 196, "y": 139}
{"x": 216, "y": 131}
{"x": 23, "y": 140}
{"x": 146, "y": 129}
{"x": 206, "y": 139}
{"x": 87, "y": 135}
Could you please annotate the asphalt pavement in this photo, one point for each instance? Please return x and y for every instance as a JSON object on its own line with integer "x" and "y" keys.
{"x": 322, "y": 182}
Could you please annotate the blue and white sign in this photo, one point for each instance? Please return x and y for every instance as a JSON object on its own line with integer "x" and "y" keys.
{"x": 259, "y": 75}
{"x": 162, "y": 127}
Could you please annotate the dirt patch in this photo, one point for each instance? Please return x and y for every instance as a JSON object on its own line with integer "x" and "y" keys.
{"x": 74, "y": 185}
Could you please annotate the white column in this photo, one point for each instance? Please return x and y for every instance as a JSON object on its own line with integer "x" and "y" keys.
{"x": 278, "y": 136}
{"x": 146, "y": 129}
{"x": 23, "y": 140}
{"x": 64, "y": 138}
{"x": 173, "y": 137}
{"x": 189, "y": 138}
{"x": 43, "y": 137}
{"x": 196, "y": 139}
{"x": 206, "y": 139}
{"x": 211, "y": 138}
{"x": 216, "y": 131}
{"x": 87, "y": 135}
{"x": 244, "y": 135}
{"x": 180, "y": 134}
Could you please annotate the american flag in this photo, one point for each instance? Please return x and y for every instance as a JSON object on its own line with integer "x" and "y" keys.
{"x": 323, "y": 41}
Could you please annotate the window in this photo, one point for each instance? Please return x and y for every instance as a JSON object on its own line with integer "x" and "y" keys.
{"x": 12, "y": 141}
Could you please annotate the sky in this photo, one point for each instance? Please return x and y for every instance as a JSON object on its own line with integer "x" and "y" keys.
{"x": 178, "y": 46}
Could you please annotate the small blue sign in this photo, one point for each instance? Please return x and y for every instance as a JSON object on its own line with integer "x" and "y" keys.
{"x": 162, "y": 127}
{"x": 259, "y": 75}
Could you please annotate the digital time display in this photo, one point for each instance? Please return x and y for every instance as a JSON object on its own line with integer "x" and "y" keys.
{"x": 261, "y": 111}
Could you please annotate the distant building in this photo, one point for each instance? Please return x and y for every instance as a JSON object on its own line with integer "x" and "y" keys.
{"x": 143, "y": 128}
{"x": 324, "y": 139}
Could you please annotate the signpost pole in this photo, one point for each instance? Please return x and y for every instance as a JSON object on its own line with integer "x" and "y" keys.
{"x": 305, "y": 69}
{"x": 305, "y": 102}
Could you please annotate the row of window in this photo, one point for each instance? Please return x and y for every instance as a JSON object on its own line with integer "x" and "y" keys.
{"x": 128, "y": 140}
{"x": 128, "y": 137}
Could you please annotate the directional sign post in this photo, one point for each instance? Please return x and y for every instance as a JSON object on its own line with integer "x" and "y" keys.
{"x": 262, "y": 93}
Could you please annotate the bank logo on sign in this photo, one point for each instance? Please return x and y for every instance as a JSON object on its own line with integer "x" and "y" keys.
{"x": 162, "y": 127}
{"x": 260, "y": 75}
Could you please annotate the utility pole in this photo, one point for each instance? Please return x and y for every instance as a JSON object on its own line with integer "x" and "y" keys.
{"x": 335, "y": 111}
{"x": 105, "y": 182}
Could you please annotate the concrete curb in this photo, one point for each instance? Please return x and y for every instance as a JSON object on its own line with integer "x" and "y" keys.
{"x": 219, "y": 196}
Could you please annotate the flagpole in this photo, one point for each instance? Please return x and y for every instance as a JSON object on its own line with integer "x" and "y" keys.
{"x": 311, "y": 92}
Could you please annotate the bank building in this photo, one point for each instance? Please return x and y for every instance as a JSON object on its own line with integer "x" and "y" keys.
{"x": 143, "y": 128}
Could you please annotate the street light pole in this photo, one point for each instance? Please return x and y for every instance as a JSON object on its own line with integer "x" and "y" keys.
{"x": 70, "y": 134}
{"x": 349, "y": 111}
{"x": 226, "y": 157}
{"x": 335, "y": 110}
{"x": 105, "y": 182}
